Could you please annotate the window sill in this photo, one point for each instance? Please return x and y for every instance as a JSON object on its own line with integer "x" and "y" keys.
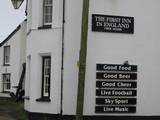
{"x": 6, "y": 64}
{"x": 6, "y": 92}
{"x": 26, "y": 97}
{"x": 43, "y": 100}
{"x": 15, "y": 87}
{"x": 45, "y": 27}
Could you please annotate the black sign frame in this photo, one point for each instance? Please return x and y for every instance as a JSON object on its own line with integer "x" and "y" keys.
{"x": 116, "y": 76}
{"x": 114, "y": 109}
{"x": 115, "y": 84}
{"x": 116, "y": 101}
{"x": 116, "y": 67}
{"x": 116, "y": 93}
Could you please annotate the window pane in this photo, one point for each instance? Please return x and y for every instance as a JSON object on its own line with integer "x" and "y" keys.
{"x": 6, "y": 82}
{"x": 46, "y": 76}
{"x": 47, "y": 9}
{"x": 47, "y": 2}
{"x": 6, "y": 54}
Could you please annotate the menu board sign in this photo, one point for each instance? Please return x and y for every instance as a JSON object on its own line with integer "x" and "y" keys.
{"x": 116, "y": 88}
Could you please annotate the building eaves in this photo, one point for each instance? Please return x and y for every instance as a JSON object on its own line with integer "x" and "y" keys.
{"x": 9, "y": 36}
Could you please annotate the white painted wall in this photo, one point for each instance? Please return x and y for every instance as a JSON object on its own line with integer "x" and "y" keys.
{"x": 38, "y": 45}
{"x": 141, "y": 48}
{"x": 73, "y": 13}
{"x": 17, "y": 45}
{"x": 41, "y": 43}
{"x": 35, "y": 14}
{"x": 52, "y": 45}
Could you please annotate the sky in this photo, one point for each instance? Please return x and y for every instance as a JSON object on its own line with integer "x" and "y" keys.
{"x": 9, "y": 17}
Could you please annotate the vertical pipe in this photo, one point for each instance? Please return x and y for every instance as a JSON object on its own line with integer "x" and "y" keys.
{"x": 26, "y": 12}
{"x": 82, "y": 61}
{"x": 62, "y": 59}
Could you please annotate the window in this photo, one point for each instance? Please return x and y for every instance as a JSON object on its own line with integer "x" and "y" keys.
{"x": 47, "y": 12}
{"x": 46, "y": 71}
{"x": 6, "y": 55}
{"x": 6, "y": 82}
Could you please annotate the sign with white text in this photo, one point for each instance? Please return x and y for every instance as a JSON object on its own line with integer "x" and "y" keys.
{"x": 119, "y": 76}
{"x": 115, "y": 84}
{"x": 116, "y": 67}
{"x": 116, "y": 92}
{"x": 116, "y": 88}
{"x": 115, "y": 24}
{"x": 116, "y": 101}
{"x": 115, "y": 109}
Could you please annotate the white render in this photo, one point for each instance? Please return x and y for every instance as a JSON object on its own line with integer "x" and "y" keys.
{"x": 141, "y": 49}
{"x": 43, "y": 42}
{"x": 17, "y": 43}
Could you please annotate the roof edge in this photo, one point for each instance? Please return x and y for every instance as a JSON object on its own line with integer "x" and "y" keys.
{"x": 10, "y": 36}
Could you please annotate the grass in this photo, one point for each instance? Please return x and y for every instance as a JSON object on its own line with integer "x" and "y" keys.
{"x": 12, "y": 108}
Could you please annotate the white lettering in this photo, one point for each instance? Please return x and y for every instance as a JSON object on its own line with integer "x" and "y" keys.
{"x": 126, "y": 20}
{"x": 118, "y": 101}
{"x": 103, "y": 92}
{"x": 111, "y": 19}
{"x": 123, "y": 93}
{"x": 121, "y": 76}
{"x": 99, "y": 24}
{"x": 109, "y": 101}
{"x": 121, "y": 109}
{"x": 107, "y": 109}
{"x": 106, "y": 67}
{"x": 116, "y": 25}
{"x": 104, "y": 84}
{"x": 110, "y": 76}
{"x": 125, "y": 68}
{"x": 99, "y": 18}
{"x": 121, "y": 84}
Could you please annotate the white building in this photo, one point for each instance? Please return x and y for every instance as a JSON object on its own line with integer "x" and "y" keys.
{"x": 12, "y": 56}
{"x": 119, "y": 31}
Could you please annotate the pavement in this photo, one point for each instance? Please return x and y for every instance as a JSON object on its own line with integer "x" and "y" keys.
{"x": 11, "y": 110}
{"x": 5, "y": 113}
{"x": 6, "y": 117}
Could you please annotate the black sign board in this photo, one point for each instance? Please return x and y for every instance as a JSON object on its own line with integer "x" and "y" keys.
{"x": 115, "y": 24}
{"x": 116, "y": 67}
{"x": 115, "y": 109}
{"x": 119, "y": 76}
{"x": 115, "y": 84}
{"x": 116, "y": 101}
{"x": 116, "y": 92}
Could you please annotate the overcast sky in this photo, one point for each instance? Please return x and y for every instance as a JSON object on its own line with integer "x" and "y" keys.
{"x": 10, "y": 18}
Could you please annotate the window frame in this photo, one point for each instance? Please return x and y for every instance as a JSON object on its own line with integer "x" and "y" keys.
{"x": 4, "y": 55}
{"x": 44, "y": 13}
{"x": 5, "y": 90}
{"x": 43, "y": 77}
